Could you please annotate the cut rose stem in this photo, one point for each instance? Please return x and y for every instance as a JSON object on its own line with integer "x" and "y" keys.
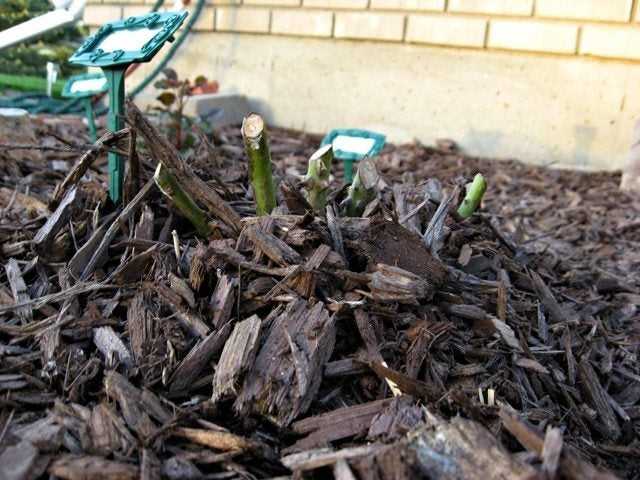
{"x": 317, "y": 178}
{"x": 257, "y": 147}
{"x": 472, "y": 200}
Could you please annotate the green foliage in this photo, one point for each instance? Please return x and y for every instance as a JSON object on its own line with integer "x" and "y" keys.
{"x": 31, "y": 58}
{"x": 171, "y": 109}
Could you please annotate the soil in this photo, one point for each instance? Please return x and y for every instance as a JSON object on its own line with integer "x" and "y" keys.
{"x": 309, "y": 346}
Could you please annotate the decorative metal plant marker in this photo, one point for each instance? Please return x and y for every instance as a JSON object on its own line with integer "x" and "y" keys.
{"x": 114, "y": 47}
{"x": 351, "y": 145}
{"x": 85, "y": 87}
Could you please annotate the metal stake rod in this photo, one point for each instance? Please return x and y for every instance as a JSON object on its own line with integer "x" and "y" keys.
{"x": 115, "y": 77}
{"x": 91, "y": 123}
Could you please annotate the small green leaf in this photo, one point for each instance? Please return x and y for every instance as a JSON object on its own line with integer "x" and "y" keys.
{"x": 200, "y": 80}
{"x": 166, "y": 98}
{"x": 161, "y": 84}
{"x": 171, "y": 74}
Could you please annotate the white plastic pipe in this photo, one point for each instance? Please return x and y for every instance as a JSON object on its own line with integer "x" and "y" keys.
{"x": 67, "y": 12}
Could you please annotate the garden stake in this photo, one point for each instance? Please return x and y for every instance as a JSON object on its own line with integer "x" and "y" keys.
{"x": 352, "y": 145}
{"x": 85, "y": 87}
{"x": 114, "y": 47}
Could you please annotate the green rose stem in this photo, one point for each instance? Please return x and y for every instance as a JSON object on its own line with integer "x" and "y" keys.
{"x": 363, "y": 189}
{"x": 317, "y": 178}
{"x": 257, "y": 148}
{"x": 170, "y": 187}
{"x": 472, "y": 200}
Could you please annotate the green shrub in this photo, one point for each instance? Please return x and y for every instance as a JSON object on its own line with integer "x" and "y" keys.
{"x": 31, "y": 58}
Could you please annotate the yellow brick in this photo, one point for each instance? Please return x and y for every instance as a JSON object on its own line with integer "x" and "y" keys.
{"x": 313, "y": 23}
{"x": 206, "y": 20}
{"x": 533, "y": 36}
{"x": 287, "y": 3}
{"x": 612, "y": 10}
{"x": 373, "y": 26}
{"x": 134, "y": 10}
{"x": 96, "y": 15}
{"x": 242, "y": 20}
{"x": 446, "y": 30}
{"x": 335, "y": 3}
{"x": 431, "y": 5}
{"x": 498, "y": 7}
{"x": 609, "y": 41}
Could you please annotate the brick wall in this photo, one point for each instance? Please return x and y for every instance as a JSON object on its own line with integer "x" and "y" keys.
{"x": 600, "y": 28}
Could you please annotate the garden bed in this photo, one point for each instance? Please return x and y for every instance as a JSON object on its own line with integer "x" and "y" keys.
{"x": 501, "y": 346}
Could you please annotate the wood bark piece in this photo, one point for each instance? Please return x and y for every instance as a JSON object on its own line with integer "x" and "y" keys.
{"x": 32, "y": 206}
{"x": 558, "y": 314}
{"x": 18, "y": 290}
{"x": 336, "y": 425}
{"x": 322, "y": 457}
{"x": 598, "y": 398}
{"x": 18, "y": 462}
{"x": 108, "y": 432}
{"x": 435, "y": 232}
{"x": 144, "y": 227}
{"x": 401, "y": 416}
{"x": 342, "y": 471}
{"x": 303, "y": 281}
{"x": 129, "y": 400}
{"x": 57, "y": 220}
{"x": 445, "y": 450}
{"x": 190, "y": 319}
{"x": 109, "y": 344}
{"x": 86, "y": 467}
{"x": 288, "y": 369}
{"x": 141, "y": 326}
{"x": 344, "y": 368}
{"x": 405, "y": 384}
{"x": 87, "y": 159}
{"x": 393, "y": 284}
{"x": 333, "y": 223}
{"x": 273, "y": 247}
{"x": 197, "y": 359}
{"x": 401, "y": 194}
{"x": 79, "y": 261}
{"x": 551, "y": 451}
{"x": 570, "y": 465}
{"x": 45, "y": 434}
{"x": 389, "y": 243}
{"x": 163, "y": 151}
{"x": 111, "y": 232}
{"x": 222, "y": 440}
{"x": 237, "y": 358}
{"x": 222, "y": 301}
{"x": 181, "y": 287}
{"x": 150, "y": 467}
